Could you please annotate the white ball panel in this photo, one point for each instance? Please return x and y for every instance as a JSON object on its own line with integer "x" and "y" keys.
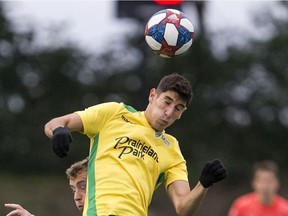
{"x": 165, "y": 56}
{"x": 174, "y": 11}
{"x": 171, "y": 34}
{"x": 153, "y": 43}
{"x": 156, "y": 19}
{"x": 184, "y": 48}
{"x": 187, "y": 24}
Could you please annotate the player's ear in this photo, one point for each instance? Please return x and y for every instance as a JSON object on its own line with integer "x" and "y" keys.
{"x": 152, "y": 95}
{"x": 182, "y": 113}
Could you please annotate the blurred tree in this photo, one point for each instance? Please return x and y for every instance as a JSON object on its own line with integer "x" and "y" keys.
{"x": 239, "y": 100}
{"x": 35, "y": 84}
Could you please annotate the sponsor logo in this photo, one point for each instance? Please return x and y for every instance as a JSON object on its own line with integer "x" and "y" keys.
{"x": 137, "y": 148}
{"x": 125, "y": 119}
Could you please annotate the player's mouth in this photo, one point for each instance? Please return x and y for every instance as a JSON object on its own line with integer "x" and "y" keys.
{"x": 163, "y": 122}
{"x": 80, "y": 207}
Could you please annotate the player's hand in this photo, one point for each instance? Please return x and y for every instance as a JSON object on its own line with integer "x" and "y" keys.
{"x": 212, "y": 172}
{"x": 61, "y": 140}
{"x": 18, "y": 210}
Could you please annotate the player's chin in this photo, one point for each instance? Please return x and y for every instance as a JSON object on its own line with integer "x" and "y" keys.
{"x": 80, "y": 207}
{"x": 164, "y": 124}
{"x": 161, "y": 127}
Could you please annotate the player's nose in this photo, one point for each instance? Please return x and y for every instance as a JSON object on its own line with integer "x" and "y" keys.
{"x": 169, "y": 111}
{"x": 77, "y": 195}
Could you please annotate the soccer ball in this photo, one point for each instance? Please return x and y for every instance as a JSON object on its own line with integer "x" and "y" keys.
{"x": 169, "y": 33}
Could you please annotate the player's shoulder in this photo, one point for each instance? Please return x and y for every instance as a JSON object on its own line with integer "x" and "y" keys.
{"x": 282, "y": 200}
{"x": 282, "y": 204}
{"x": 116, "y": 106}
{"x": 127, "y": 107}
{"x": 109, "y": 108}
{"x": 245, "y": 199}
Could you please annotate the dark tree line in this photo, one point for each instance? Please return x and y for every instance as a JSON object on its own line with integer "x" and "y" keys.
{"x": 239, "y": 112}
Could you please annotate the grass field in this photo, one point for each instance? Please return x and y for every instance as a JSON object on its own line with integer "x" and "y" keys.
{"x": 41, "y": 195}
{"x": 52, "y": 196}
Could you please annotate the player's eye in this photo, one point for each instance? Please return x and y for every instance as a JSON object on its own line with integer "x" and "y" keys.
{"x": 82, "y": 186}
{"x": 73, "y": 190}
{"x": 167, "y": 102}
{"x": 179, "y": 108}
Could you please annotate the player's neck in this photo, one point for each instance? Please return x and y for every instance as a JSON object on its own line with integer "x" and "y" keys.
{"x": 266, "y": 199}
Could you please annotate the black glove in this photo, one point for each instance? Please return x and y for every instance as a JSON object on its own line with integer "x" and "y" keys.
{"x": 212, "y": 172}
{"x": 61, "y": 140}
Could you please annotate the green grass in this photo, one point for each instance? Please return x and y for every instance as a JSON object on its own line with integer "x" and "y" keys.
{"x": 41, "y": 195}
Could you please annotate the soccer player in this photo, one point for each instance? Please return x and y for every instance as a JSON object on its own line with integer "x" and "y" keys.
{"x": 77, "y": 175}
{"x": 264, "y": 200}
{"x": 131, "y": 154}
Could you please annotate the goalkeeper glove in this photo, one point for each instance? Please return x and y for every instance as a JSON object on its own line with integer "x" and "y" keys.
{"x": 61, "y": 140}
{"x": 212, "y": 172}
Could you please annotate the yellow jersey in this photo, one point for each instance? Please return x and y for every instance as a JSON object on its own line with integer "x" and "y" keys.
{"x": 128, "y": 160}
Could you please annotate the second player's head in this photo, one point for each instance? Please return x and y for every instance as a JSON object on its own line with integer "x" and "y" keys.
{"x": 77, "y": 175}
{"x": 265, "y": 180}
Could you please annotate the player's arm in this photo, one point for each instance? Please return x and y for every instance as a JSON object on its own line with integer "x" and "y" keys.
{"x": 71, "y": 121}
{"x": 186, "y": 202}
{"x": 18, "y": 210}
{"x": 58, "y": 129}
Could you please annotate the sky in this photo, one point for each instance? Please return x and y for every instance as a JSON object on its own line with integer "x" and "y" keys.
{"x": 90, "y": 23}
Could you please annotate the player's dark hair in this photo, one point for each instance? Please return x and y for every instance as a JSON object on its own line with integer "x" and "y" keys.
{"x": 266, "y": 165}
{"x": 177, "y": 83}
{"x": 76, "y": 168}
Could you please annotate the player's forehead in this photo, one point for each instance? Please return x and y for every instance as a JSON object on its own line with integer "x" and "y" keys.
{"x": 79, "y": 178}
{"x": 265, "y": 174}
